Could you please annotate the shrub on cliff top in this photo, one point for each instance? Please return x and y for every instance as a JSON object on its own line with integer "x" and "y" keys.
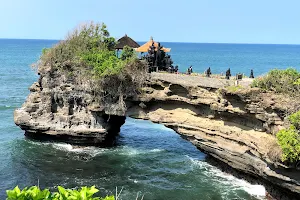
{"x": 87, "y": 56}
{"x": 86, "y": 39}
{"x": 289, "y": 140}
{"x": 35, "y": 193}
{"x": 280, "y": 81}
{"x": 104, "y": 62}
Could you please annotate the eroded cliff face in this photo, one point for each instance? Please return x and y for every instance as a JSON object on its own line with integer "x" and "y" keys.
{"x": 236, "y": 128}
{"x": 58, "y": 109}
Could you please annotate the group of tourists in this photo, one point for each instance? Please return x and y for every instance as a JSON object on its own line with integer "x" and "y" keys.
{"x": 239, "y": 75}
{"x": 172, "y": 69}
{"x": 227, "y": 74}
{"x": 158, "y": 60}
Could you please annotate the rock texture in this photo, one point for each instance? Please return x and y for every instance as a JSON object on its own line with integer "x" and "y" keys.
{"x": 57, "y": 109}
{"x": 235, "y": 127}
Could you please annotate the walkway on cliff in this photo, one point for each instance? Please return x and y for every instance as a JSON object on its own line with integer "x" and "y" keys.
{"x": 198, "y": 80}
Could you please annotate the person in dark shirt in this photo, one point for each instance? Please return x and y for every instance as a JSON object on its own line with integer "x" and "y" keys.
{"x": 176, "y": 69}
{"x": 228, "y": 74}
{"x": 208, "y": 72}
{"x": 251, "y": 74}
{"x": 191, "y": 69}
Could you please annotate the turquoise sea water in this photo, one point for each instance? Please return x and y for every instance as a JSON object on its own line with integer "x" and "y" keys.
{"x": 149, "y": 159}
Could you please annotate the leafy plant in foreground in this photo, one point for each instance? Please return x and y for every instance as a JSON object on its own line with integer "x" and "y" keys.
{"x": 35, "y": 193}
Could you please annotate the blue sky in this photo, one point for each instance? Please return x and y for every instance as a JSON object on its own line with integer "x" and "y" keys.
{"x": 209, "y": 21}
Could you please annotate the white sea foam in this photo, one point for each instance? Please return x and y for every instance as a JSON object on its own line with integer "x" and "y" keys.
{"x": 129, "y": 151}
{"x": 62, "y": 146}
{"x": 229, "y": 180}
{"x": 156, "y": 150}
{"x": 94, "y": 151}
{"x": 91, "y": 151}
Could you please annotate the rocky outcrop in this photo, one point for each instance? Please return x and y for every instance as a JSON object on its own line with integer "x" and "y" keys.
{"x": 235, "y": 127}
{"x": 57, "y": 109}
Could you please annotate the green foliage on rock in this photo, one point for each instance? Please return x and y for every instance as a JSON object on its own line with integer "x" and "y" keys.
{"x": 87, "y": 57}
{"x": 35, "y": 193}
{"x": 45, "y": 50}
{"x": 88, "y": 48}
{"x": 295, "y": 119}
{"x": 234, "y": 88}
{"x": 280, "y": 81}
{"x": 289, "y": 140}
{"x": 127, "y": 53}
{"x": 103, "y": 62}
{"x": 84, "y": 42}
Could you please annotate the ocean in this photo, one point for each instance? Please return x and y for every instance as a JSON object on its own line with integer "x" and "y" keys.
{"x": 240, "y": 58}
{"x": 149, "y": 159}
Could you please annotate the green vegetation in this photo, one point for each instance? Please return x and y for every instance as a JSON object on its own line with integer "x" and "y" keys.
{"x": 87, "y": 57}
{"x": 44, "y": 51}
{"x": 127, "y": 52}
{"x": 234, "y": 88}
{"x": 35, "y": 193}
{"x": 289, "y": 139}
{"x": 287, "y": 83}
{"x": 87, "y": 47}
{"x": 104, "y": 63}
{"x": 280, "y": 81}
{"x": 295, "y": 119}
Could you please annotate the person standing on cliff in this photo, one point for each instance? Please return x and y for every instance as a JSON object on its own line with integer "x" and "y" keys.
{"x": 251, "y": 74}
{"x": 228, "y": 74}
{"x": 208, "y": 72}
{"x": 176, "y": 69}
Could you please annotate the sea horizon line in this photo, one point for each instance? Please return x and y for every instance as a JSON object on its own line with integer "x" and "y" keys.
{"x": 232, "y": 43}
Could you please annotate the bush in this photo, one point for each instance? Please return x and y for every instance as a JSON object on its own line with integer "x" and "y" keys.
{"x": 35, "y": 193}
{"x": 87, "y": 57}
{"x": 280, "y": 81}
{"x": 104, "y": 63}
{"x": 84, "y": 39}
{"x": 127, "y": 52}
{"x": 295, "y": 119}
{"x": 289, "y": 141}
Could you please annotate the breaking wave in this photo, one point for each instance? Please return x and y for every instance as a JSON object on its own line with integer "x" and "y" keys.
{"x": 228, "y": 180}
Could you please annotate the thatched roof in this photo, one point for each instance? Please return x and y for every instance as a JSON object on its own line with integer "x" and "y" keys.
{"x": 126, "y": 41}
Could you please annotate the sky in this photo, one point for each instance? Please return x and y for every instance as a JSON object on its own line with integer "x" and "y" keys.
{"x": 201, "y": 21}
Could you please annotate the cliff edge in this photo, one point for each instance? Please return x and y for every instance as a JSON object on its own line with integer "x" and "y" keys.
{"x": 233, "y": 125}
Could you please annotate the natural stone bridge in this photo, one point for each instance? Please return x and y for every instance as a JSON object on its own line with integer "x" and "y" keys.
{"x": 236, "y": 128}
